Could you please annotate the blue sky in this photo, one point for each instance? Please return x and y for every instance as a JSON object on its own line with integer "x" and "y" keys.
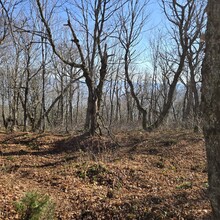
{"x": 156, "y": 12}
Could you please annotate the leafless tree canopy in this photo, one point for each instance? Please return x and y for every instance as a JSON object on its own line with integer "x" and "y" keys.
{"x": 101, "y": 65}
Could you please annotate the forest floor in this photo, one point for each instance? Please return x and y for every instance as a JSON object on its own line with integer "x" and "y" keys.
{"x": 159, "y": 175}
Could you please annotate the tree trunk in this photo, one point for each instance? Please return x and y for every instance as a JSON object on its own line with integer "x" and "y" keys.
{"x": 3, "y": 110}
{"x": 91, "y": 114}
{"x": 26, "y": 93}
{"x": 169, "y": 101}
{"x": 211, "y": 103}
{"x": 137, "y": 101}
{"x": 91, "y": 119}
{"x": 77, "y": 103}
{"x": 43, "y": 45}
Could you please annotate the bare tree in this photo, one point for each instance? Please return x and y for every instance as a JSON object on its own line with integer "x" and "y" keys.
{"x": 7, "y": 8}
{"x": 186, "y": 28}
{"x": 132, "y": 21}
{"x": 99, "y": 12}
{"x": 29, "y": 74}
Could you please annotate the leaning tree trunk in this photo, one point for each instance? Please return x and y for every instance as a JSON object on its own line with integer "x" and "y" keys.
{"x": 167, "y": 105}
{"x": 211, "y": 103}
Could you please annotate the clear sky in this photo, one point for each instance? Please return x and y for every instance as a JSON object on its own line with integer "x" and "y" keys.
{"x": 155, "y": 10}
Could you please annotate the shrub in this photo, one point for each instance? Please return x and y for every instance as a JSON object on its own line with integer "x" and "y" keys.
{"x": 35, "y": 206}
{"x": 92, "y": 172}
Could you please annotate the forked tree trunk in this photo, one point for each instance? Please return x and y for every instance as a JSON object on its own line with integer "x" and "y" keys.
{"x": 211, "y": 103}
{"x": 95, "y": 95}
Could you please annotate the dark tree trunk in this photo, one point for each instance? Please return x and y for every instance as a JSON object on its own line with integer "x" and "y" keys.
{"x": 70, "y": 102}
{"x": 91, "y": 119}
{"x": 77, "y": 103}
{"x": 3, "y": 110}
{"x": 25, "y": 105}
{"x": 91, "y": 114}
{"x": 26, "y": 92}
{"x": 42, "y": 117}
{"x": 95, "y": 94}
{"x": 211, "y": 103}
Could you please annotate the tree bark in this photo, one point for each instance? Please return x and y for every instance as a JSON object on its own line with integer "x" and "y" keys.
{"x": 211, "y": 103}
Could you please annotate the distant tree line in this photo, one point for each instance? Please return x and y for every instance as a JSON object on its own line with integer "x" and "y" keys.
{"x": 84, "y": 65}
